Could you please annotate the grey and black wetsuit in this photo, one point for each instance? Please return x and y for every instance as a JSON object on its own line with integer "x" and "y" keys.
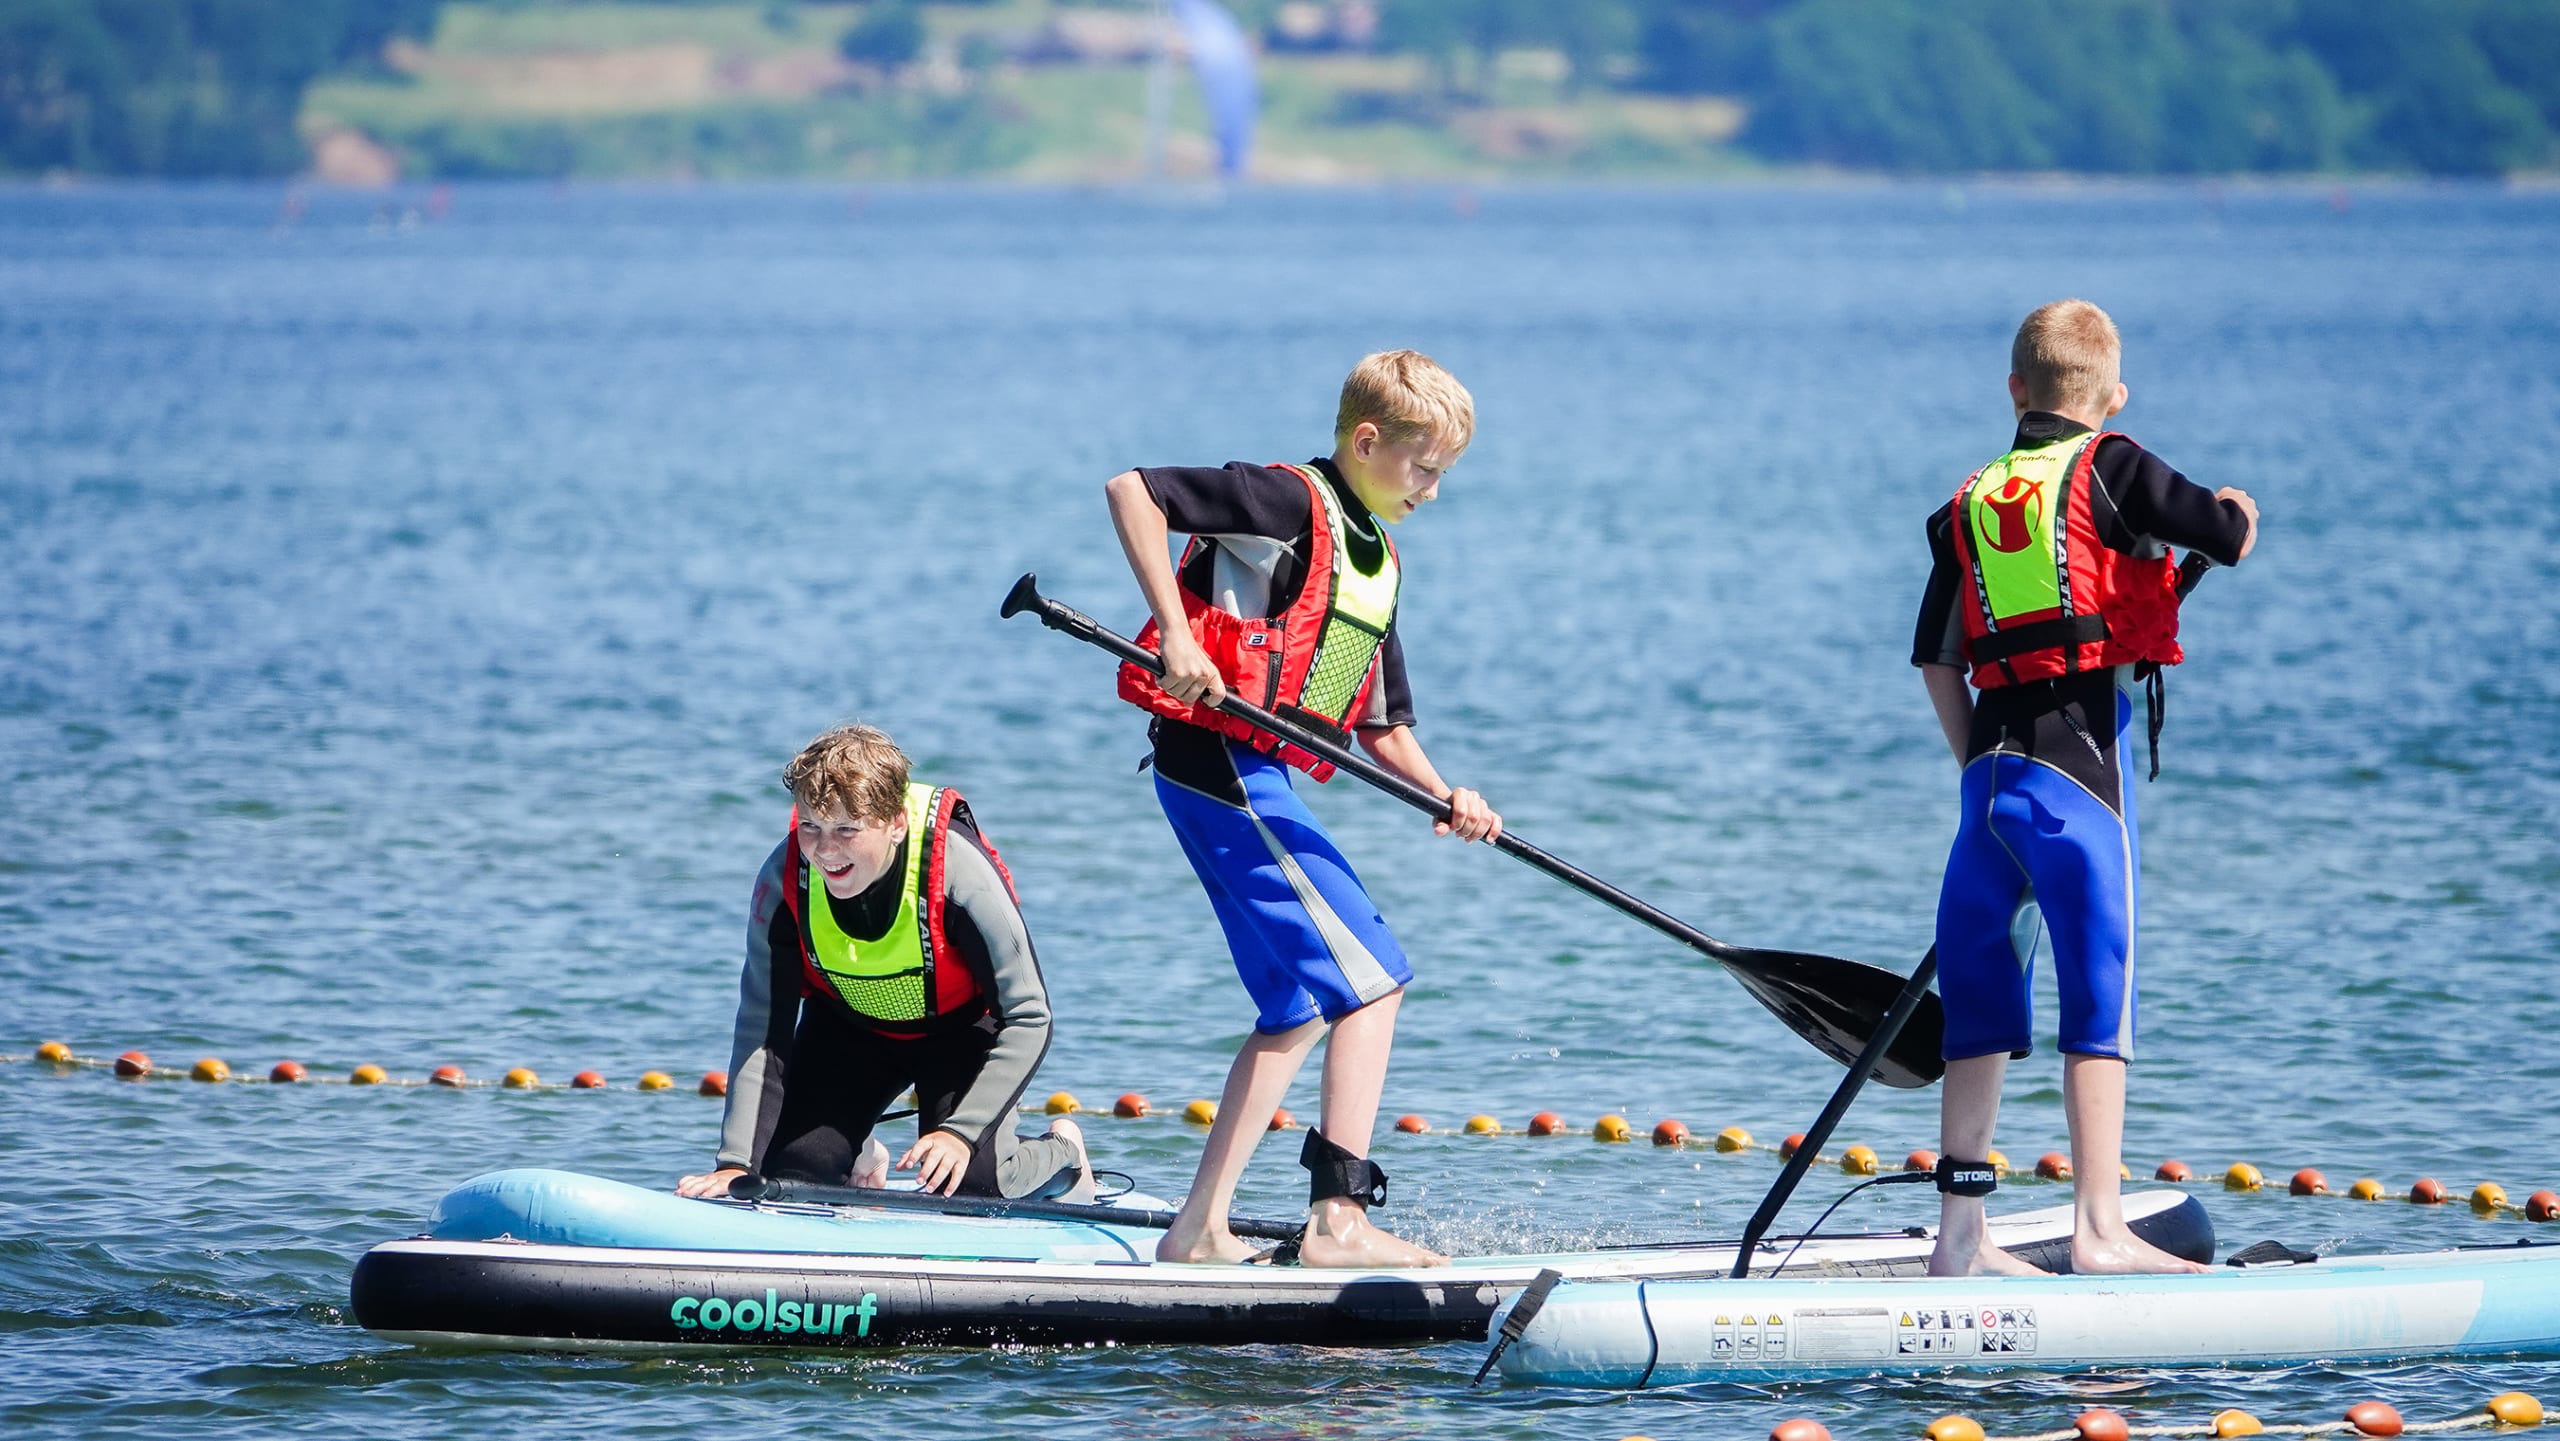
{"x": 809, "y": 1077}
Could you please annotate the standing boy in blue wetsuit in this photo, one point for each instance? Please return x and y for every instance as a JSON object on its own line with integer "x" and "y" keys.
{"x": 1286, "y": 595}
{"x": 2052, "y": 580}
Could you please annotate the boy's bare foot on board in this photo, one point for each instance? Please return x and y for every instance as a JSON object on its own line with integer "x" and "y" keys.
{"x": 1976, "y": 1256}
{"x": 1339, "y": 1234}
{"x": 2125, "y": 1254}
{"x": 1197, "y": 1243}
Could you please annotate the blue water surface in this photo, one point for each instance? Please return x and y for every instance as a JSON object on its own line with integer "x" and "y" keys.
{"x": 407, "y": 611}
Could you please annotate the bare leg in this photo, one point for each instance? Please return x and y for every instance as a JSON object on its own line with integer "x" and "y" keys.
{"x": 1968, "y": 1106}
{"x": 2093, "y": 1101}
{"x": 1355, "y": 1073}
{"x": 1255, "y": 1084}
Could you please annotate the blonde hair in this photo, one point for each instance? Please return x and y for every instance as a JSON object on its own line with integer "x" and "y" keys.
{"x": 1407, "y": 396}
{"x": 853, "y": 769}
{"x": 2067, "y": 353}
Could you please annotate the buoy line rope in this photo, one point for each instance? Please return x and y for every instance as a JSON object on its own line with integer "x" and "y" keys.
{"x": 2488, "y": 1198}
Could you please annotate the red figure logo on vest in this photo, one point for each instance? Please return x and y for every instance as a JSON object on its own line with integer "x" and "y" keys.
{"x": 2013, "y": 504}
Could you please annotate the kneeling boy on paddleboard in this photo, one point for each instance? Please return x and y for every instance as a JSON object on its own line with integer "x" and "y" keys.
{"x": 2053, "y": 581}
{"x": 1287, "y": 595}
{"x": 886, "y": 950}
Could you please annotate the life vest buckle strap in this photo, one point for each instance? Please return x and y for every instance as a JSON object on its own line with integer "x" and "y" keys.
{"x": 2060, "y": 631}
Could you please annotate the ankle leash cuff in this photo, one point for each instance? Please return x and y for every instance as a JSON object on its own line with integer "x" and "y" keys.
{"x": 1333, "y": 1171}
{"x": 1967, "y": 1178}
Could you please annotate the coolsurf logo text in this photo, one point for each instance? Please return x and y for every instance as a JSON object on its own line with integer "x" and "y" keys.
{"x": 773, "y": 1314}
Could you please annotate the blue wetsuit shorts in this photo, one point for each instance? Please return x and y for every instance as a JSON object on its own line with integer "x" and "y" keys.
{"x": 2048, "y": 822}
{"x": 1307, "y": 940}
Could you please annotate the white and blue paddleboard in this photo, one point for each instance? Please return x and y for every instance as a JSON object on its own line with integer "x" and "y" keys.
{"x": 551, "y": 1259}
{"x": 1626, "y": 1333}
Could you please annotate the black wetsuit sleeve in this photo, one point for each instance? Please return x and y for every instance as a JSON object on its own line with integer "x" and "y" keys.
{"x": 768, "y": 1014}
{"x": 1937, "y": 636}
{"x": 987, "y": 930}
{"x": 1391, "y": 699}
{"x": 2152, "y": 500}
{"x": 1234, "y": 499}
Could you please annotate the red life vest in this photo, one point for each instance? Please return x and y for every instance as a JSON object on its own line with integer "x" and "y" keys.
{"x": 2042, "y": 600}
{"x": 945, "y": 987}
{"x": 1314, "y": 664}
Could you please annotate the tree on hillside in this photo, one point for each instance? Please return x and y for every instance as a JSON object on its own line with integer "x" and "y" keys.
{"x": 176, "y": 87}
{"x": 2125, "y": 86}
{"x": 889, "y": 34}
{"x": 2420, "y": 70}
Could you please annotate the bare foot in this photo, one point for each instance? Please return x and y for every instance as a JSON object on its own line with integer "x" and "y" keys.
{"x": 1200, "y": 1244}
{"x": 2123, "y": 1254}
{"x": 871, "y": 1168}
{"x": 1339, "y": 1234}
{"x": 1082, "y": 1191}
{"x": 1954, "y": 1257}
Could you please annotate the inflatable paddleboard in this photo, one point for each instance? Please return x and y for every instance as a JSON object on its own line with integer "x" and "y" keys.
{"x": 1629, "y": 1333}
{"x": 555, "y": 1260}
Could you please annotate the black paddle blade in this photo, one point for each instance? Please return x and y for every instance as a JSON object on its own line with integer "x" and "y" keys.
{"x": 1837, "y": 1005}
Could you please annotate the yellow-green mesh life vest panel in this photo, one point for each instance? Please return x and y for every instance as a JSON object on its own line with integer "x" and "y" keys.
{"x": 1356, "y": 619}
{"x": 2016, "y": 514}
{"x": 883, "y": 979}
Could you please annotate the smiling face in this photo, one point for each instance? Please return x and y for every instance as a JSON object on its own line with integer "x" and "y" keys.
{"x": 1394, "y": 478}
{"x": 850, "y": 855}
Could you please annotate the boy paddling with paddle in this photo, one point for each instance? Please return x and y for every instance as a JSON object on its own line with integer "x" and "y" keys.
{"x": 885, "y": 950}
{"x": 1287, "y": 594}
{"x": 2052, "y": 580}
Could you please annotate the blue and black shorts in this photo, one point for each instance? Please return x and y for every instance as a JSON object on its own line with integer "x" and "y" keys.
{"x": 1307, "y": 940}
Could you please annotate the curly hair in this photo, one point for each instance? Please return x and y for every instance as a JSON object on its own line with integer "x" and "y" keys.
{"x": 854, "y": 770}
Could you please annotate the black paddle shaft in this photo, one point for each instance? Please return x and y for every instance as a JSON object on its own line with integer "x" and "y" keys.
{"x": 1809, "y": 1149}
{"x": 758, "y": 1188}
{"x": 1835, "y": 1004}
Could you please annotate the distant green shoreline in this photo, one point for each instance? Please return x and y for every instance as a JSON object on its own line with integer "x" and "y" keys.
{"x": 1432, "y": 91}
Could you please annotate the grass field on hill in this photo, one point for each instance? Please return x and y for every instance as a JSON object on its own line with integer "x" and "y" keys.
{"x": 743, "y": 90}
